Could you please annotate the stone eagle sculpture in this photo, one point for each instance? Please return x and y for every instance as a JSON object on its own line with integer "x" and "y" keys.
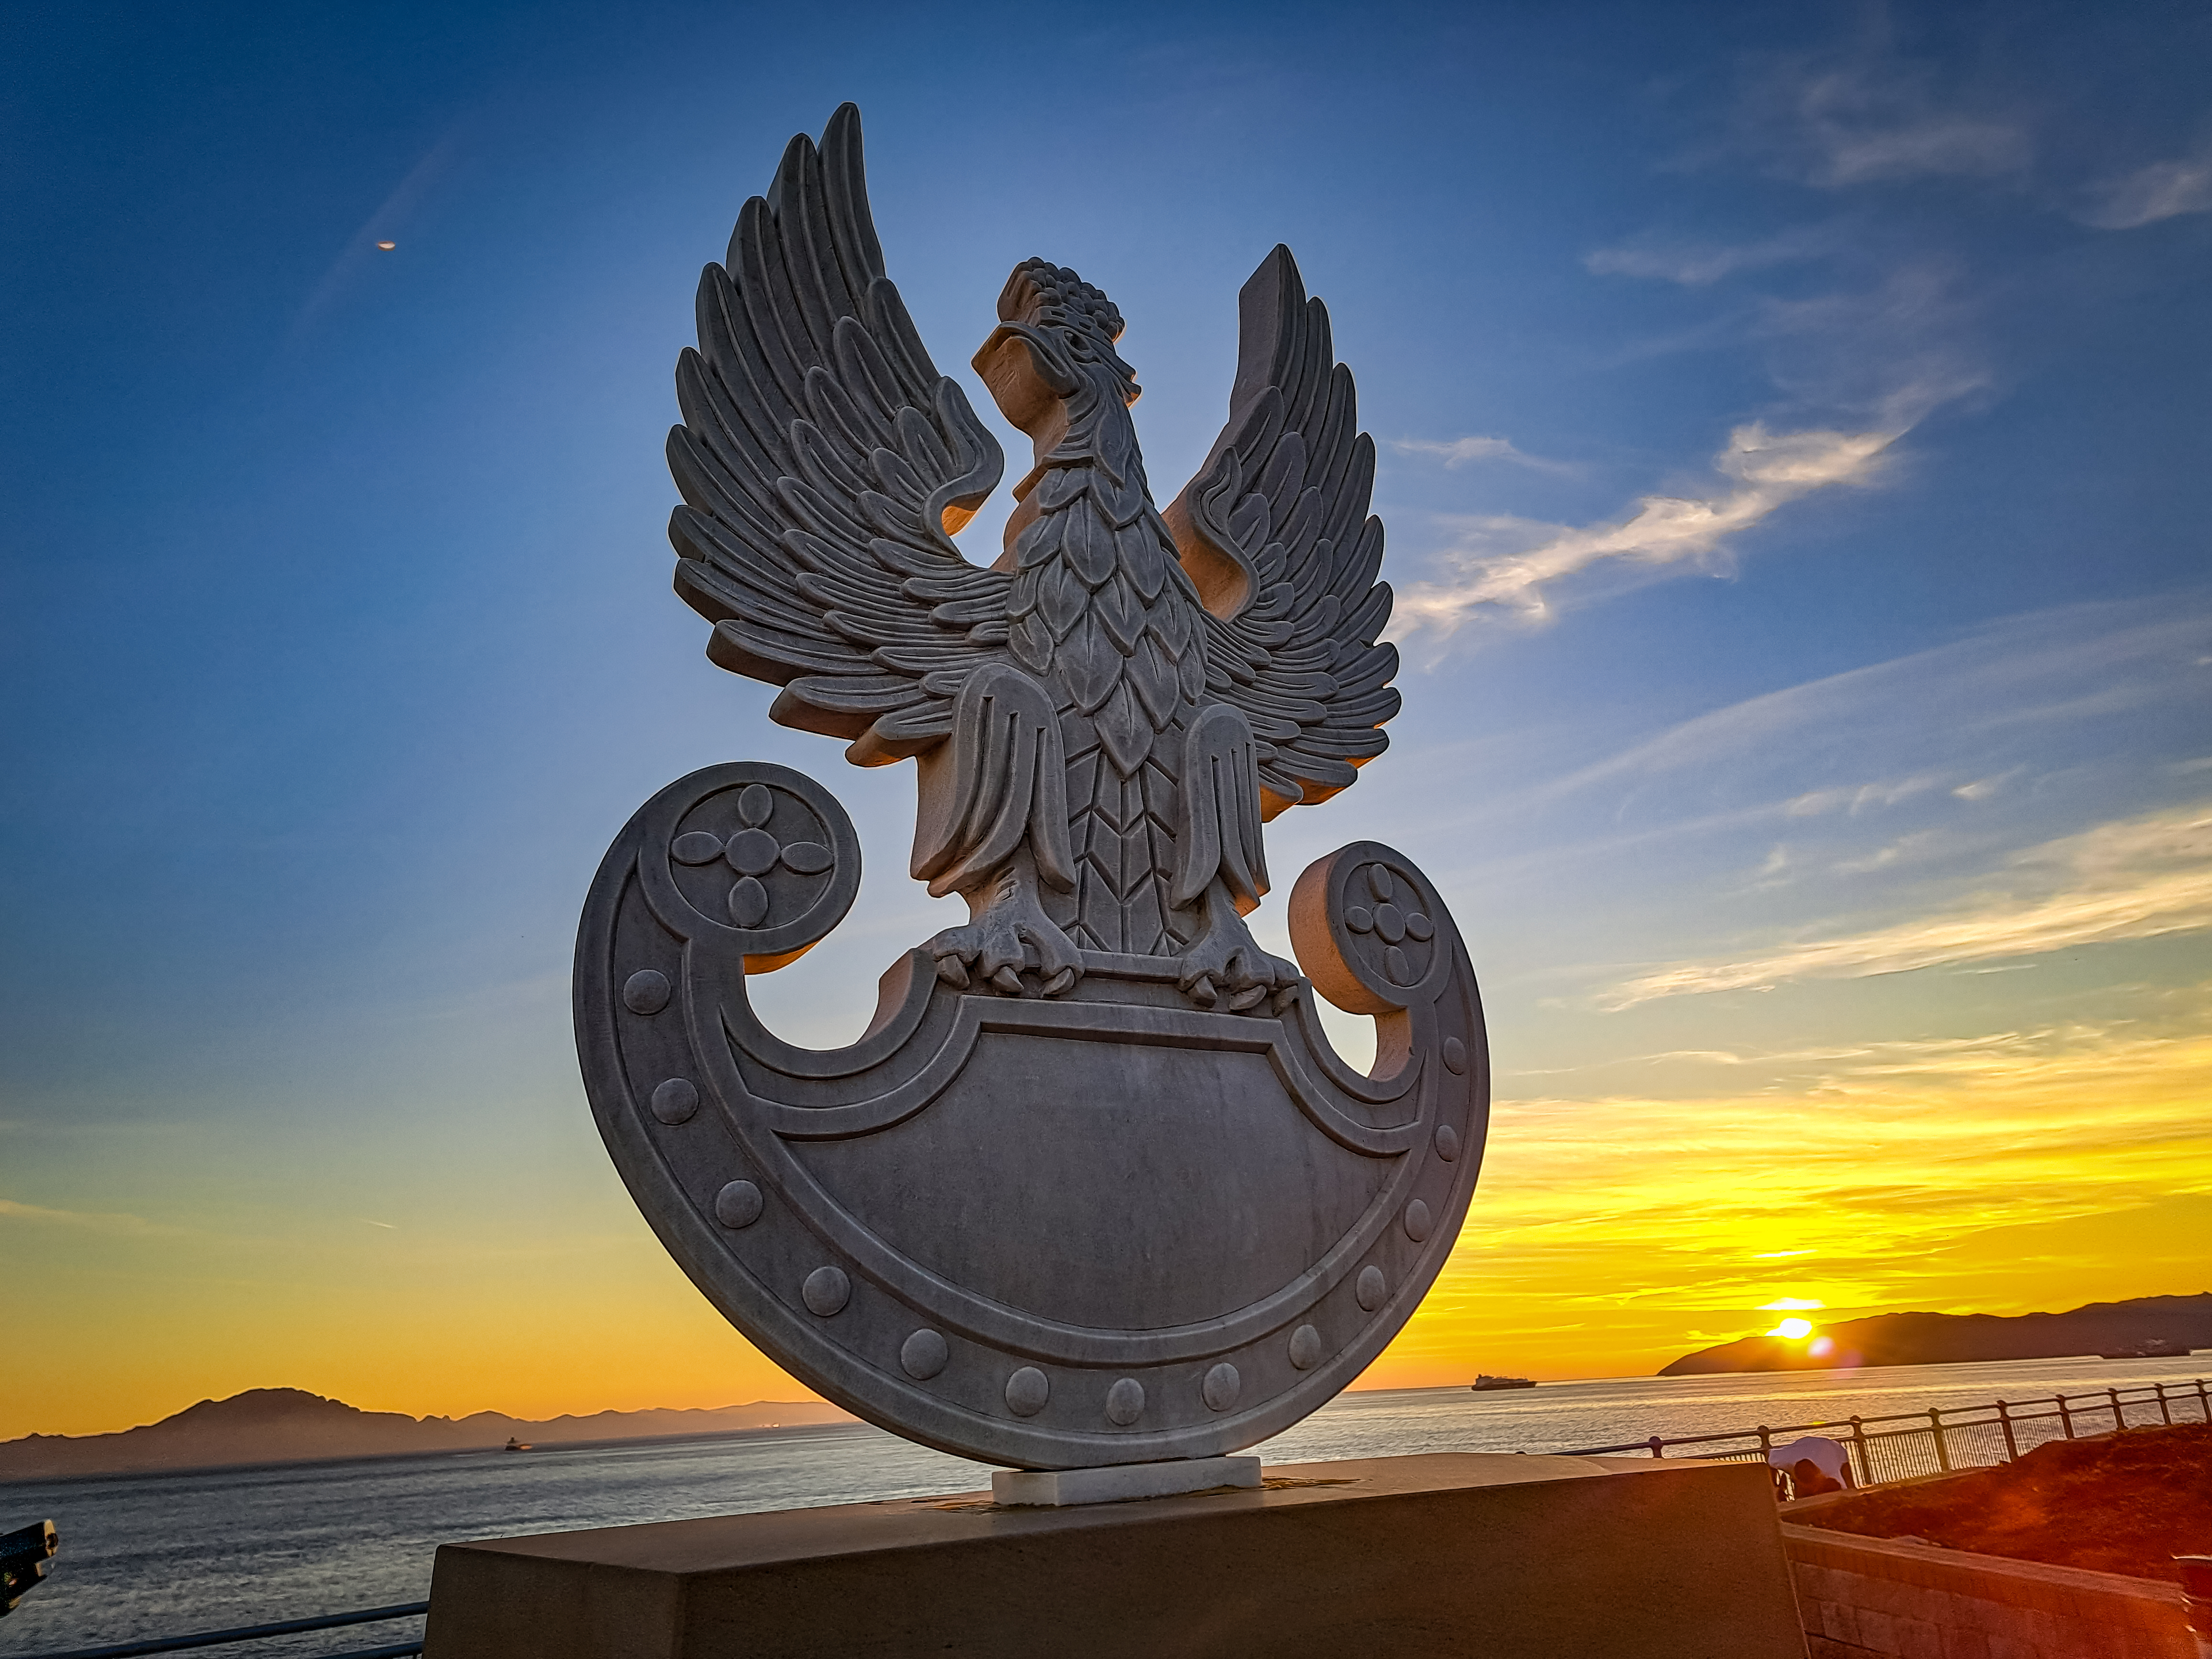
{"x": 1092, "y": 1190}
{"x": 1103, "y": 718}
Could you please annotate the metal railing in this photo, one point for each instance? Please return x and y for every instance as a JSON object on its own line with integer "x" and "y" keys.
{"x": 208, "y": 1639}
{"x": 1909, "y": 1444}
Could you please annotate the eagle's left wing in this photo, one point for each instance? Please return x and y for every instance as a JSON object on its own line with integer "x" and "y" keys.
{"x": 1274, "y": 531}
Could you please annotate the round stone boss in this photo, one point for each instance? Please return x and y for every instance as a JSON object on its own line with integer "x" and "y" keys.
{"x": 1001, "y": 1227}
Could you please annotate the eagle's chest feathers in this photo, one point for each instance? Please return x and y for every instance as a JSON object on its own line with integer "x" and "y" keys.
{"x": 1102, "y": 612}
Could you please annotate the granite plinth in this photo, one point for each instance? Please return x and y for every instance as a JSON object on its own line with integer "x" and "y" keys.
{"x": 1503, "y": 1556}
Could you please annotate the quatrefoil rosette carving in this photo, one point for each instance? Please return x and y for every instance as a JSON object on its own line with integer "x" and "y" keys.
{"x": 1364, "y": 919}
{"x": 768, "y": 862}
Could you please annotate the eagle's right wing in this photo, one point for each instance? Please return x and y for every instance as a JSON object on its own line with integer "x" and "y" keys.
{"x": 1275, "y": 532}
{"x": 824, "y": 463}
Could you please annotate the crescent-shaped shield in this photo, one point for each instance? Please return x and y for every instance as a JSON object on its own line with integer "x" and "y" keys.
{"x": 1051, "y": 1233}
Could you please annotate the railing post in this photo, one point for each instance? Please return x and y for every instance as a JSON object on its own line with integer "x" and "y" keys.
{"x": 1942, "y": 1452}
{"x": 2164, "y": 1415}
{"x": 2005, "y": 1422}
{"x": 1655, "y": 1443}
{"x": 2119, "y": 1417}
{"x": 1866, "y": 1464}
{"x": 2065, "y": 1416}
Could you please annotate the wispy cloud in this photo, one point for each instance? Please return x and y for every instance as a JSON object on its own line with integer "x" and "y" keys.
{"x": 1871, "y": 115}
{"x": 1698, "y": 263}
{"x": 2015, "y": 678}
{"x": 1857, "y": 144}
{"x": 1884, "y": 357}
{"x": 2164, "y": 189}
{"x": 2135, "y": 878}
{"x": 87, "y": 1220}
{"x": 1756, "y": 473}
{"x": 1983, "y": 788}
{"x": 1456, "y": 452}
{"x": 1897, "y": 349}
{"x": 1906, "y": 849}
{"x": 1895, "y": 1056}
{"x": 1854, "y": 798}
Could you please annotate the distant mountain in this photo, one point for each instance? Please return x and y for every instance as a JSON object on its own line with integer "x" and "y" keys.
{"x": 290, "y": 1426}
{"x": 1931, "y": 1339}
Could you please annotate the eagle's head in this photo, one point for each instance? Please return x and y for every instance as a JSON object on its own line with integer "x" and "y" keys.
{"x": 1054, "y": 345}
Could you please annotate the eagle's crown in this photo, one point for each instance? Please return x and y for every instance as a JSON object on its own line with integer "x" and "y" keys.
{"x": 1083, "y": 322}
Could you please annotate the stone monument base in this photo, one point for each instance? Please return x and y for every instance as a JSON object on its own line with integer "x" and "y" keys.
{"x": 1507, "y": 1557}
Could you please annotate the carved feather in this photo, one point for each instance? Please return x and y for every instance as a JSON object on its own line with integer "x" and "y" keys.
{"x": 824, "y": 463}
{"x": 1275, "y": 533}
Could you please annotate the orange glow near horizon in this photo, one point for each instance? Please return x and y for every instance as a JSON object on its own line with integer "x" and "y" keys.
{"x": 1608, "y": 1236}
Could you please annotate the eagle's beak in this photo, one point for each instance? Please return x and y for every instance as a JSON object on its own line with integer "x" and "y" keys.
{"x": 1027, "y": 375}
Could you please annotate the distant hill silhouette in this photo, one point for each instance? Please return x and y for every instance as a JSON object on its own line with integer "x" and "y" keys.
{"x": 1932, "y": 1338}
{"x": 290, "y": 1426}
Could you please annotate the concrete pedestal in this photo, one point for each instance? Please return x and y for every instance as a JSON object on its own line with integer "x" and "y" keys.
{"x": 1501, "y": 1556}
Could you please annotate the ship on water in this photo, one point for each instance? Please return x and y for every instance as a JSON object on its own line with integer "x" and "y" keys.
{"x": 1486, "y": 1384}
{"x": 2151, "y": 1347}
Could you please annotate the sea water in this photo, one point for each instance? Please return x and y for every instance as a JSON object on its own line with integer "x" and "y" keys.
{"x": 158, "y": 1555}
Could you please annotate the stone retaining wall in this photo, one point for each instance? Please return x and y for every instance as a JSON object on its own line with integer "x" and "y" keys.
{"x": 1866, "y": 1596}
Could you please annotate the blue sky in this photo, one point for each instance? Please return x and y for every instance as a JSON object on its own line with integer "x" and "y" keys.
{"x": 1794, "y": 445}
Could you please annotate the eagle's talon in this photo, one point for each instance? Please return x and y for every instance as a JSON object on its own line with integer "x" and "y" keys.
{"x": 1010, "y": 946}
{"x": 1225, "y": 967}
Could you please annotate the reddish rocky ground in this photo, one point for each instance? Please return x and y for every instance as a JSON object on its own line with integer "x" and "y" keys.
{"x": 2120, "y": 1503}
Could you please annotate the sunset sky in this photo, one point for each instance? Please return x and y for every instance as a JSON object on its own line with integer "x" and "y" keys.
{"x": 1796, "y": 432}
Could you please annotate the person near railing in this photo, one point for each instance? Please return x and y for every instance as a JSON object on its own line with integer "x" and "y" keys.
{"x": 1810, "y": 1466}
